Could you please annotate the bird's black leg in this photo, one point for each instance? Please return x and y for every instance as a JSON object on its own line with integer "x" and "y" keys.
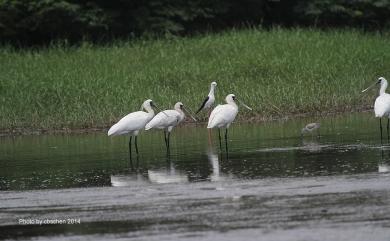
{"x": 169, "y": 136}
{"x": 131, "y": 137}
{"x": 219, "y": 135}
{"x": 226, "y": 142}
{"x": 136, "y": 145}
{"x": 388, "y": 137}
{"x": 380, "y": 127}
{"x": 131, "y": 164}
{"x": 165, "y": 138}
{"x": 137, "y": 164}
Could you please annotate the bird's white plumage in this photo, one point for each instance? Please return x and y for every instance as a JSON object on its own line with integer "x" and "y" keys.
{"x": 133, "y": 122}
{"x": 382, "y": 102}
{"x": 210, "y": 99}
{"x": 223, "y": 115}
{"x": 382, "y": 105}
{"x": 167, "y": 119}
{"x": 130, "y": 123}
{"x": 211, "y": 96}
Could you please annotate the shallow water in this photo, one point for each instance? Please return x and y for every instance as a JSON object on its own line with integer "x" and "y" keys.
{"x": 269, "y": 184}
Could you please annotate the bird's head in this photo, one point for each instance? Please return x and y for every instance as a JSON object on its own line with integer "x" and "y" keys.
{"x": 233, "y": 99}
{"x": 230, "y": 98}
{"x": 147, "y": 104}
{"x": 381, "y": 80}
{"x": 179, "y": 106}
{"x": 213, "y": 83}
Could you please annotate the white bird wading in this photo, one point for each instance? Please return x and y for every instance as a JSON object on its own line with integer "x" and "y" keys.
{"x": 210, "y": 99}
{"x": 223, "y": 115}
{"x": 167, "y": 120}
{"x": 133, "y": 123}
{"x": 382, "y": 103}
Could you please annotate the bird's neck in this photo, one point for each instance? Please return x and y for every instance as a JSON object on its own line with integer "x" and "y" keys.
{"x": 149, "y": 110}
{"x": 383, "y": 88}
{"x": 181, "y": 112}
{"x": 182, "y": 115}
{"x": 212, "y": 88}
{"x": 232, "y": 103}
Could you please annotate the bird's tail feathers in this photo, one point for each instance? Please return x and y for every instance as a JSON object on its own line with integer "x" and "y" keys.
{"x": 148, "y": 127}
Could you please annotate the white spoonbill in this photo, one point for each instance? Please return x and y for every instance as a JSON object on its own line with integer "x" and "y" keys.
{"x": 133, "y": 123}
{"x": 223, "y": 115}
{"x": 209, "y": 100}
{"x": 168, "y": 119}
{"x": 382, "y": 103}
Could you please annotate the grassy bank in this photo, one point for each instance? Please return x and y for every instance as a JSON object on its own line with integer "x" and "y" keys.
{"x": 278, "y": 72}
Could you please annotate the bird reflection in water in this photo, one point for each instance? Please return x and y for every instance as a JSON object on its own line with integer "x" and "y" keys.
{"x": 133, "y": 178}
{"x": 167, "y": 175}
{"x": 214, "y": 161}
{"x": 311, "y": 145}
{"x": 384, "y": 162}
{"x": 159, "y": 176}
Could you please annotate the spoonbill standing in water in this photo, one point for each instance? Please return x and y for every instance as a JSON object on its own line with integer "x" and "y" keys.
{"x": 209, "y": 100}
{"x": 133, "y": 123}
{"x": 223, "y": 115}
{"x": 382, "y": 103}
{"x": 168, "y": 119}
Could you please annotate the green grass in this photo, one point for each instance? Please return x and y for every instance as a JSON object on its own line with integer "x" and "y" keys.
{"x": 278, "y": 72}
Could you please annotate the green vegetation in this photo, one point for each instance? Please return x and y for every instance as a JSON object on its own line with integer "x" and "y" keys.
{"x": 278, "y": 72}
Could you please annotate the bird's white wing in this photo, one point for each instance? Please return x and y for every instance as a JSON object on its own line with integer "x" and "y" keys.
{"x": 213, "y": 113}
{"x": 203, "y": 105}
{"x": 382, "y": 105}
{"x": 163, "y": 120}
{"x": 226, "y": 116}
{"x": 222, "y": 115}
{"x": 131, "y": 122}
{"x": 210, "y": 101}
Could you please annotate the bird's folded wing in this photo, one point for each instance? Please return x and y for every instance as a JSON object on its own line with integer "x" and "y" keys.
{"x": 203, "y": 104}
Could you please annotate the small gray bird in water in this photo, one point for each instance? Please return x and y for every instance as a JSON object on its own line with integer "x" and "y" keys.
{"x": 310, "y": 128}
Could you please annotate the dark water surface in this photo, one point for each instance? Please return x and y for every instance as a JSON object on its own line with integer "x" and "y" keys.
{"x": 270, "y": 185}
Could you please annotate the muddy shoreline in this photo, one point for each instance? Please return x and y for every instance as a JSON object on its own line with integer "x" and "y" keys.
{"x": 253, "y": 119}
